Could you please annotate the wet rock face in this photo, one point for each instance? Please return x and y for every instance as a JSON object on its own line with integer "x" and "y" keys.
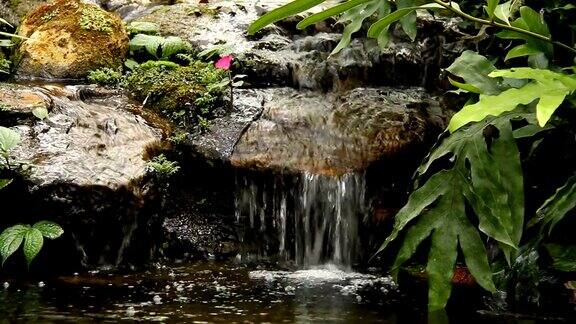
{"x": 282, "y": 55}
{"x": 333, "y": 134}
{"x": 100, "y": 143}
{"x": 87, "y": 173}
{"x": 67, "y": 39}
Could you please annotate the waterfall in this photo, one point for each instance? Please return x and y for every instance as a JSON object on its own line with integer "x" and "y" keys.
{"x": 309, "y": 219}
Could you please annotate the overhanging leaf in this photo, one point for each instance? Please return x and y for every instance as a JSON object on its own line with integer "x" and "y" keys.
{"x": 336, "y": 10}
{"x": 292, "y": 8}
{"x": 547, "y": 86}
{"x": 563, "y": 257}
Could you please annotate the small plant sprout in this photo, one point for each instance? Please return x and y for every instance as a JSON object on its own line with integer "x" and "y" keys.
{"x": 9, "y": 139}
{"x": 163, "y": 167}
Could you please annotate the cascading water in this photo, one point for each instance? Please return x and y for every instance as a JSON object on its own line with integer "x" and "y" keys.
{"x": 313, "y": 218}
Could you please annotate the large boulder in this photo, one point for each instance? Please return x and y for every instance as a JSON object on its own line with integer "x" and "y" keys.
{"x": 84, "y": 167}
{"x": 69, "y": 38}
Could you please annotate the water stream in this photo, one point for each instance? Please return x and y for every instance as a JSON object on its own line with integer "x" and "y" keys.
{"x": 314, "y": 217}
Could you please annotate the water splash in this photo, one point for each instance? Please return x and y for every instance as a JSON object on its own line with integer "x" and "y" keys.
{"x": 313, "y": 219}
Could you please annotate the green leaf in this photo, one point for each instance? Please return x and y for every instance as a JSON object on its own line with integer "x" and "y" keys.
{"x": 503, "y": 12}
{"x": 474, "y": 69}
{"x": 290, "y": 9}
{"x": 549, "y": 87}
{"x": 557, "y": 207}
{"x": 359, "y": 14}
{"x": 491, "y": 7}
{"x": 10, "y": 240}
{"x": 4, "y": 183}
{"x": 464, "y": 86}
{"x": 563, "y": 257}
{"x": 40, "y": 113}
{"x": 173, "y": 45}
{"x": 485, "y": 173}
{"x": 521, "y": 50}
{"x": 385, "y": 22}
{"x": 150, "y": 43}
{"x": 33, "y": 242}
{"x": 49, "y": 230}
{"x": 336, "y": 10}
{"x": 9, "y": 139}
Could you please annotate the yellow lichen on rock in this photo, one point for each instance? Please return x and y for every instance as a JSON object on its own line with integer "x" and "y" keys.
{"x": 67, "y": 39}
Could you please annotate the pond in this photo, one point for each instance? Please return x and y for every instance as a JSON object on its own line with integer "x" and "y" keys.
{"x": 213, "y": 291}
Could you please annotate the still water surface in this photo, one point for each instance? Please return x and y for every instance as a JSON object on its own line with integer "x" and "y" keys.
{"x": 209, "y": 292}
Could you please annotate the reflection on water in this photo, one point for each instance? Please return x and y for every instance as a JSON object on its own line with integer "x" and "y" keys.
{"x": 215, "y": 292}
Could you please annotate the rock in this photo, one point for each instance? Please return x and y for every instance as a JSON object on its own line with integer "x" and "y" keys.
{"x": 95, "y": 143}
{"x": 281, "y": 55}
{"x": 22, "y": 100}
{"x": 87, "y": 173}
{"x": 67, "y": 39}
{"x": 14, "y": 10}
{"x": 333, "y": 134}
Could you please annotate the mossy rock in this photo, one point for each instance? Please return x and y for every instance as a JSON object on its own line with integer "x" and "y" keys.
{"x": 182, "y": 94}
{"x": 67, "y": 39}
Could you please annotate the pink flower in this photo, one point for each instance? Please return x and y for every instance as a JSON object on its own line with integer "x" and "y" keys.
{"x": 224, "y": 62}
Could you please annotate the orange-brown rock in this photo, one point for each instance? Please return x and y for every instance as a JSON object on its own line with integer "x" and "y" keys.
{"x": 69, "y": 38}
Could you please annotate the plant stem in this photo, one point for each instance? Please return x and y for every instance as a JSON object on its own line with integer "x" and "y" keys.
{"x": 231, "y": 91}
{"x": 464, "y": 15}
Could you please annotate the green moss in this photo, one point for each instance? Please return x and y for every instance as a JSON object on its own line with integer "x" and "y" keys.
{"x": 183, "y": 94}
{"x": 50, "y": 15}
{"x": 105, "y": 76}
{"x": 93, "y": 18}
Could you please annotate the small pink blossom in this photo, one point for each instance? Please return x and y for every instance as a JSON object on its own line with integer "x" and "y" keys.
{"x": 224, "y": 62}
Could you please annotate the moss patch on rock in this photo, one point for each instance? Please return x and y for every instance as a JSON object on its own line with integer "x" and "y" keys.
{"x": 69, "y": 38}
{"x": 183, "y": 94}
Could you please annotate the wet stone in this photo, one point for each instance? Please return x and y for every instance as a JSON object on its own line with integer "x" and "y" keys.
{"x": 333, "y": 134}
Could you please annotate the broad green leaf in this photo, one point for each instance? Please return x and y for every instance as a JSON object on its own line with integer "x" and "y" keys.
{"x": 4, "y": 183}
{"x": 474, "y": 69}
{"x": 150, "y": 43}
{"x": 486, "y": 175}
{"x": 558, "y": 206}
{"x": 336, "y": 10}
{"x": 33, "y": 242}
{"x": 548, "y": 104}
{"x": 40, "y": 113}
{"x": 491, "y": 7}
{"x": 503, "y": 12}
{"x": 9, "y": 139}
{"x": 49, "y": 230}
{"x": 290, "y": 9}
{"x": 10, "y": 240}
{"x": 563, "y": 257}
{"x": 549, "y": 87}
{"x": 521, "y": 50}
{"x": 173, "y": 45}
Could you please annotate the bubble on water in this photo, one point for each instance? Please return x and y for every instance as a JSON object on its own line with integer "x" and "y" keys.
{"x": 130, "y": 311}
{"x": 157, "y": 299}
{"x": 41, "y": 284}
{"x": 6, "y": 285}
{"x": 289, "y": 289}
